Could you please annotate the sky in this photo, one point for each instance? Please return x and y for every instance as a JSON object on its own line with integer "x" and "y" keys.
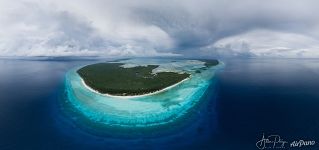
{"x": 202, "y": 28}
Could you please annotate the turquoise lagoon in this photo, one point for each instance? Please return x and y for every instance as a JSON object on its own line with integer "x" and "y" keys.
{"x": 101, "y": 112}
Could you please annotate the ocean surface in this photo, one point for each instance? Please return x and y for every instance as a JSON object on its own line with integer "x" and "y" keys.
{"x": 251, "y": 98}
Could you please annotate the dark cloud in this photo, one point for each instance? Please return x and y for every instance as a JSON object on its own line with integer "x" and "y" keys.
{"x": 143, "y": 27}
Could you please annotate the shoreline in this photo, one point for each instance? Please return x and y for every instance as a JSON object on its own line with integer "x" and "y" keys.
{"x": 132, "y": 96}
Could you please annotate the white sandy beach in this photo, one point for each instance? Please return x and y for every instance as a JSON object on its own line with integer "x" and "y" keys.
{"x": 133, "y": 96}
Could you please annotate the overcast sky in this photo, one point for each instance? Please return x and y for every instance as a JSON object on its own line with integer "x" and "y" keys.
{"x": 211, "y": 28}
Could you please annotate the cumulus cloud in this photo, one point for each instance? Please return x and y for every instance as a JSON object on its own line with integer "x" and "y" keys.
{"x": 36, "y": 28}
{"x": 265, "y": 43}
{"x": 246, "y": 28}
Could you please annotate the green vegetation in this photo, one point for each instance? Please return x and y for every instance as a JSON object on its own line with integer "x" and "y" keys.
{"x": 210, "y": 62}
{"x": 110, "y": 78}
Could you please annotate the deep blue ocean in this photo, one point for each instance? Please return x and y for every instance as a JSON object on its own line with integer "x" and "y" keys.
{"x": 251, "y": 98}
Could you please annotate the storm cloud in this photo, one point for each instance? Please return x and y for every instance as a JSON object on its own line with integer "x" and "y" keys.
{"x": 210, "y": 28}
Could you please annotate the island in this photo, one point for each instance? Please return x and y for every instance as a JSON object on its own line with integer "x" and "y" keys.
{"x": 138, "y": 95}
{"x": 113, "y": 79}
{"x": 210, "y": 62}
